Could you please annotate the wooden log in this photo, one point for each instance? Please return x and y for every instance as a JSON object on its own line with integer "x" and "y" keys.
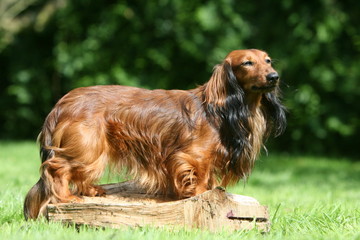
{"x": 125, "y": 204}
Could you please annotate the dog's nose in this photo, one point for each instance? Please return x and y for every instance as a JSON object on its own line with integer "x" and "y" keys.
{"x": 272, "y": 77}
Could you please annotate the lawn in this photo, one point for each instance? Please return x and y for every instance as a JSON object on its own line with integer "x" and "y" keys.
{"x": 308, "y": 197}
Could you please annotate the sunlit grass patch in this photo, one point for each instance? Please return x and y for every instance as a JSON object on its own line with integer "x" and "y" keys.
{"x": 308, "y": 198}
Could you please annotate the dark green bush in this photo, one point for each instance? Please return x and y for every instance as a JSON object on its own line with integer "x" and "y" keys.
{"x": 175, "y": 44}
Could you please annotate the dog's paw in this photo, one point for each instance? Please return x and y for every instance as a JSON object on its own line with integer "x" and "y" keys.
{"x": 95, "y": 191}
{"x": 74, "y": 199}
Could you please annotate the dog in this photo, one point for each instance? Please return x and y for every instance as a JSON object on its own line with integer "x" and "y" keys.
{"x": 174, "y": 142}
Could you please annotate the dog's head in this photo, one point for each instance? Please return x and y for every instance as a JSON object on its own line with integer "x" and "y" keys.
{"x": 253, "y": 70}
{"x": 244, "y": 80}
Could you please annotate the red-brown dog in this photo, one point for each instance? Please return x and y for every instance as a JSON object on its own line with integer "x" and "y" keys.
{"x": 173, "y": 142}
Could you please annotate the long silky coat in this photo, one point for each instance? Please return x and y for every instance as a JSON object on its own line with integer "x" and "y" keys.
{"x": 174, "y": 142}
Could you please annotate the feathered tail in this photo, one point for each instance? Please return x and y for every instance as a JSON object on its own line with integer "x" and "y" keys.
{"x": 40, "y": 194}
{"x": 36, "y": 200}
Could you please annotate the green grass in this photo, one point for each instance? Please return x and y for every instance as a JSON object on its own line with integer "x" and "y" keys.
{"x": 308, "y": 197}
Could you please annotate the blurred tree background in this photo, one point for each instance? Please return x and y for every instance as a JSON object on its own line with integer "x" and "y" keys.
{"x": 49, "y": 47}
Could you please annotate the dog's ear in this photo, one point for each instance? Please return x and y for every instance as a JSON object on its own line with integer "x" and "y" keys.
{"x": 275, "y": 113}
{"x": 231, "y": 81}
{"x": 225, "y": 102}
{"x": 215, "y": 90}
{"x": 221, "y": 84}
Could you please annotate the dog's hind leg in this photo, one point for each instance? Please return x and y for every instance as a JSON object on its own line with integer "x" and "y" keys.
{"x": 84, "y": 177}
{"x": 56, "y": 173}
{"x": 79, "y": 161}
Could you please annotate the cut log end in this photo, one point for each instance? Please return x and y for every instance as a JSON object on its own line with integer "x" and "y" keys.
{"x": 125, "y": 204}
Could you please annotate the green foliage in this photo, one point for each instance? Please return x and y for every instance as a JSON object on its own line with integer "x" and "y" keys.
{"x": 175, "y": 44}
{"x": 308, "y": 198}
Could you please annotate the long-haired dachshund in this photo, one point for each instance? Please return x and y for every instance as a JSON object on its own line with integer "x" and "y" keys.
{"x": 174, "y": 142}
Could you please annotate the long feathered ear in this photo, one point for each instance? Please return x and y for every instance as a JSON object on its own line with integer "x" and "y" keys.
{"x": 275, "y": 113}
{"x": 215, "y": 90}
{"x": 225, "y": 103}
{"x": 221, "y": 85}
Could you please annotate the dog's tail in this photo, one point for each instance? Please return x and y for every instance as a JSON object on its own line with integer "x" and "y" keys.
{"x": 40, "y": 194}
{"x": 36, "y": 201}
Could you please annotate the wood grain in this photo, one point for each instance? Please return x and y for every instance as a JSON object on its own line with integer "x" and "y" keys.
{"x": 125, "y": 204}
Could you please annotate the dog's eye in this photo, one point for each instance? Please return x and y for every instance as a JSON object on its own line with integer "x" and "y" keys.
{"x": 268, "y": 60}
{"x": 247, "y": 63}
